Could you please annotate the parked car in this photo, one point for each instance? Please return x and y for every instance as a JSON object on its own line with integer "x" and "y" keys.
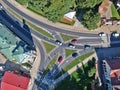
{"x": 60, "y": 59}
{"x": 71, "y": 45}
{"x": 74, "y": 41}
{"x": 102, "y": 34}
{"x": 115, "y": 34}
{"x": 74, "y": 54}
{"x": 58, "y": 42}
{"x": 87, "y": 47}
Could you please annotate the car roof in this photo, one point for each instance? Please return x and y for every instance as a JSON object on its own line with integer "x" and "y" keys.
{"x": 74, "y": 39}
{"x": 57, "y": 41}
{"x": 60, "y": 59}
{"x": 71, "y": 44}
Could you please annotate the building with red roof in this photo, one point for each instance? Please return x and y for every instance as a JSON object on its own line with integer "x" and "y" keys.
{"x": 14, "y": 81}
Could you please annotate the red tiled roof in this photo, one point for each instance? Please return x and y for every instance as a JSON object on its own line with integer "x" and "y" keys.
{"x": 103, "y": 8}
{"x": 12, "y": 81}
{"x": 114, "y": 73}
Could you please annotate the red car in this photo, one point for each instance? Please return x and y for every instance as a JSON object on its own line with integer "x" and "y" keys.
{"x": 74, "y": 41}
{"x": 60, "y": 59}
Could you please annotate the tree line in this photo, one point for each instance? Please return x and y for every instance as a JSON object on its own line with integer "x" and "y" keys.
{"x": 54, "y": 10}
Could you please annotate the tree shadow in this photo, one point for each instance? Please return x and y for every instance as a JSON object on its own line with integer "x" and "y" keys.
{"x": 80, "y": 80}
{"x": 25, "y": 26}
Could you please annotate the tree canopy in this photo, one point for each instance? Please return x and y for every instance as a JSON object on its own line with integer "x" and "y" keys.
{"x": 87, "y": 3}
{"x": 53, "y": 9}
{"x": 90, "y": 19}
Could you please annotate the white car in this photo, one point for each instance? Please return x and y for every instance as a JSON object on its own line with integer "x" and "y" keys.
{"x": 116, "y": 35}
{"x": 102, "y": 34}
{"x": 58, "y": 42}
{"x": 71, "y": 45}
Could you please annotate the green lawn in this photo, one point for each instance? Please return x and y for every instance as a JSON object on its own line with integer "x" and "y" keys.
{"x": 51, "y": 64}
{"x": 114, "y": 12}
{"x": 67, "y": 37}
{"x": 69, "y": 52}
{"x": 35, "y": 9}
{"x": 48, "y": 47}
{"x": 43, "y": 32}
{"x": 22, "y": 1}
{"x": 77, "y": 61}
{"x": 79, "y": 80}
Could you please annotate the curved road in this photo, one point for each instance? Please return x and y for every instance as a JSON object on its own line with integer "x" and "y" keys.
{"x": 46, "y": 26}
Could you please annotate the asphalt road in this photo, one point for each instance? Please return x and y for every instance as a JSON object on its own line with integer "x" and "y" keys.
{"x": 46, "y": 26}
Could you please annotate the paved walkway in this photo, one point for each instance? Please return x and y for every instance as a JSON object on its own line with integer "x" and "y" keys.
{"x": 34, "y": 70}
{"x": 59, "y": 25}
{"x": 74, "y": 68}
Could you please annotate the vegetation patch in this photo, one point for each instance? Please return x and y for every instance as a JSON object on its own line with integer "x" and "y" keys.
{"x": 115, "y": 13}
{"x": 53, "y": 10}
{"x": 67, "y": 37}
{"x": 23, "y": 2}
{"x": 90, "y": 19}
{"x": 48, "y": 47}
{"x": 43, "y": 32}
{"x": 69, "y": 52}
{"x": 81, "y": 79}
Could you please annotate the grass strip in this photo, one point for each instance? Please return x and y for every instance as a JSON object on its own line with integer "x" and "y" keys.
{"x": 51, "y": 64}
{"x": 48, "y": 47}
{"x": 115, "y": 13}
{"x": 67, "y": 37}
{"x": 77, "y": 61}
{"x": 68, "y": 52}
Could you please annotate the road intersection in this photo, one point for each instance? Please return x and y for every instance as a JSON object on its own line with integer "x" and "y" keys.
{"x": 84, "y": 38}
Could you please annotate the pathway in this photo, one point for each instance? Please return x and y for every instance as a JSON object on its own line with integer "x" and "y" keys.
{"x": 34, "y": 70}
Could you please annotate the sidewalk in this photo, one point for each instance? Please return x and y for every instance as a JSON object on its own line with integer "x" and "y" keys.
{"x": 74, "y": 68}
{"x": 34, "y": 70}
{"x": 58, "y": 25}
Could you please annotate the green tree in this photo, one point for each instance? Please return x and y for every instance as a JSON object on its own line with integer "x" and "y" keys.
{"x": 57, "y": 8}
{"x": 87, "y": 3}
{"x": 52, "y": 9}
{"x": 22, "y": 1}
{"x": 90, "y": 19}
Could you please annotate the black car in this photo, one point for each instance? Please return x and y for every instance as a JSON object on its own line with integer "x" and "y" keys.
{"x": 74, "y": 54}
{"x": 87, "y": 47}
